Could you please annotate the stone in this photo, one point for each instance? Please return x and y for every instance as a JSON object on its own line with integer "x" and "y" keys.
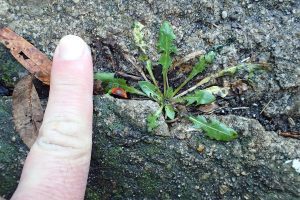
{"x": 224, "y": 14}
{"x": 127, "y": 161}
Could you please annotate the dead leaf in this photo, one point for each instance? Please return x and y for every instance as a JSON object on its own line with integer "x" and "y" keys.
{"x": 186, "y": 58}
{"x": 119, "y": 92}
{"x": 239, "y": 87}
{"x": 27, "y": 110}
{"x": 219, "y": 91}
{"x": 209, "y": 107}
{"x": 30, "y": 57}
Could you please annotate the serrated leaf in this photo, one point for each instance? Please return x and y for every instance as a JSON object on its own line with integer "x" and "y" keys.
{"x": 165, "y": 45}
{"x": 200, "y": 97}
{"x": 214, "y": 129}
{"x": 170, "y": 93}
{"x": 169, "y": 110}
{"x": 198, "y": 68}
{"x": 139, "y": 36}
{"x": 152, "y": 122}
{"x": 111, "y": 82}
{"x": 210, "y": 57}
{"x": 202, "y": 64}
{"x": 150, "y": 90}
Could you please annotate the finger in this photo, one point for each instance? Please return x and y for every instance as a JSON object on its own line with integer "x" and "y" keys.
{"x": 58, "y": 163}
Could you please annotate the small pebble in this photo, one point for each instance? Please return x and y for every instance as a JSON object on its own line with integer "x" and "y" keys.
{"x": 13, "y": 138}
{"x": 291, "y": 121}
{"x": 224, "y": 14}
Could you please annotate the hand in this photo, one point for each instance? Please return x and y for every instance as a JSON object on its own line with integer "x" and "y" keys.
{"x": 58, "y": 163}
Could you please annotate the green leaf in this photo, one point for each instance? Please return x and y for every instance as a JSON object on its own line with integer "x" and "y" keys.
{"x": 202, "y": 64}
{"x": 198, "y": 68}
{"x": 104, "y": 76}
{"x": 152, "y": 122}
{"x": 166, "y": 46}
{"x": 170, "y": 93}
{"x": 111, "y": 82}
{"x": 214, "y": 128}
{"x": 139, "y": 36}
{"x": 200, "y": 97}
{"x": 170, "y": 113}
{"x": 150, "y": 90}
{"x": 210, "y": 57}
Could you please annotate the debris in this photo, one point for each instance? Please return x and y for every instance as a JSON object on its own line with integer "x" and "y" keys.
{"x": 239, "y": 87}
{"x": 27, "y": 110}
{"x": 200, "y": 148}
{"x": 291, "y": 121}
{"x": 294, "y": 135}
{"x": 219, "y": 91}
{"x": 30, "y": 57}
{"x": 186, "y": 58}
{"x": 125, "y": 75}
{"x": 209, "y": 108}
{"x": 265, "y": 106}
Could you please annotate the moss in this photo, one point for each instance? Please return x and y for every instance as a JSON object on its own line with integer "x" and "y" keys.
{"x": 149, "y": 183}
{"x": 10, "y": 173}
{"x": 9, "y": 68}
{"x": 90, "y": 194}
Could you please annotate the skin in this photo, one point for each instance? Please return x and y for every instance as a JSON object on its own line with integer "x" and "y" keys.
{"x": 58, "y": 163}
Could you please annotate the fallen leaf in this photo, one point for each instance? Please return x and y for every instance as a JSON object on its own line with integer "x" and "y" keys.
{"x": 239, "y": 87}
{"x": 119, "y": 92}
{"x": 208, "y": 108}
{"x": 30, "y": 57}
{"x": 219, "y": 91}
{"x": 187, "y": 58}
{"x": 27, "y": 110}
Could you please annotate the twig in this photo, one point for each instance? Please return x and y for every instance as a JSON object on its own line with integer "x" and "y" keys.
{"x": 240, "y": 108}
{"x": 265, "y": 106}
{"x": 136, "y": 66}
{"x": 290, "y": 134}
{"x": 123, "y": 74}
{"x": 186, "y": 59}
{"x": 246, "y": 59}
{"x": 172, "y": 120}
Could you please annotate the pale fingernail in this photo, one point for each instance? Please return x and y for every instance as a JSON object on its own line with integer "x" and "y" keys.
{"x": 71, "y": 47}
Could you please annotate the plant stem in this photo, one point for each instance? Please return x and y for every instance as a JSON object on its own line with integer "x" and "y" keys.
{"x": 181, "y": 86}
{"x": 227, "y": 71}
{"x": 153, "y": 78}
{"x": 165, "y": 84}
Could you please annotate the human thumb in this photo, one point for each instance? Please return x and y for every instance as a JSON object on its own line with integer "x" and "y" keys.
{"x": 58, "y": 163}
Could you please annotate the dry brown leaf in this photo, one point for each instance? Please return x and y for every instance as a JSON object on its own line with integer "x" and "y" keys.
{"x": 208, "y": 108}
{"x": 239, "y": 87}
{"x": 186, "y": 58}
{"x": 30, "y": 57}
{"x": 27, "y": 110}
